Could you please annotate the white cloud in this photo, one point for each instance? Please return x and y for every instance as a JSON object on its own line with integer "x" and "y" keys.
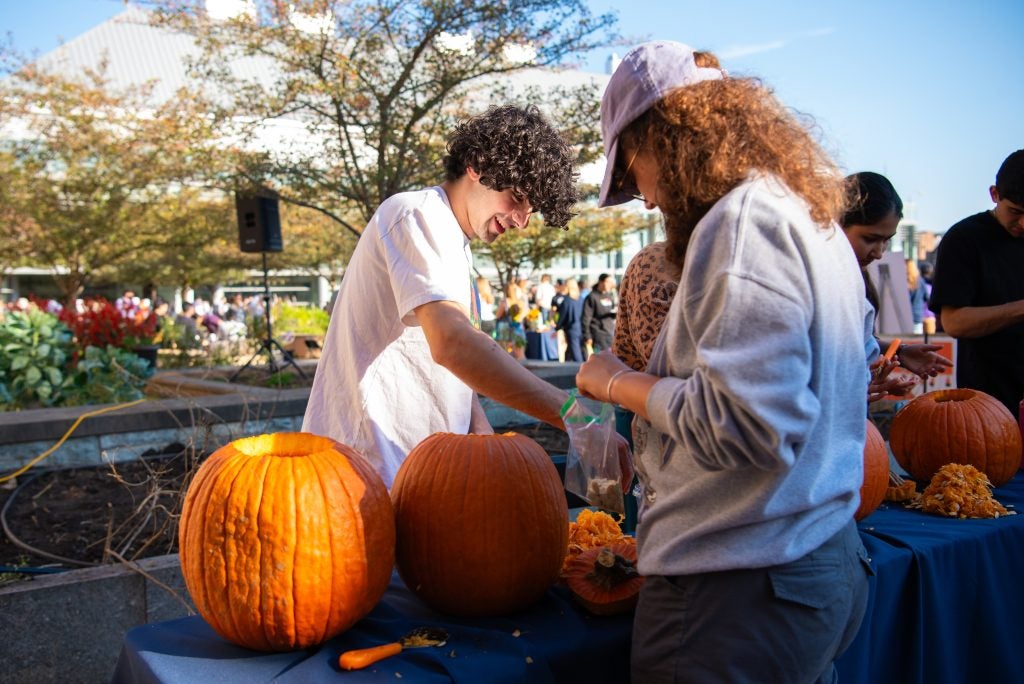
{"x": 745, "y": 50}
{"x": 734, "y": 51}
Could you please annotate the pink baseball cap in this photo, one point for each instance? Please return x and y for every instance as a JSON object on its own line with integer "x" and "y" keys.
{"x": 647, "y": 73}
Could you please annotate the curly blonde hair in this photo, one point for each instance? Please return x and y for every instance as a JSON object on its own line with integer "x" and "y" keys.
{"x": 710, "y": 135}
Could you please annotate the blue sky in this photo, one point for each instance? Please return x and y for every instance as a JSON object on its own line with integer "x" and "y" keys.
{"x": 926, "y": 92}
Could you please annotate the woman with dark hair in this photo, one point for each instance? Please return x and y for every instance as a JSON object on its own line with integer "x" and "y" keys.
{"x": 750, "y": 423}
{"x": 872, "y": 214}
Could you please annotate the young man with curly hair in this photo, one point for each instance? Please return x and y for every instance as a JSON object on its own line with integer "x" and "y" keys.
{"x": 402, "y": 358}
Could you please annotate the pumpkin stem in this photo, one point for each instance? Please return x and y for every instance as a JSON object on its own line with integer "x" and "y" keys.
{"x": 611, "y": 569}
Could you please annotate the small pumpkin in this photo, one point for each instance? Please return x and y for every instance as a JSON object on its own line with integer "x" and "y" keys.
{"x": 604, "y": 579}
{"x": 482, "y": 523}
{"x": 285, "y": 540}
{"x": 956, "y": 426}
{"x": 876, "y": 473}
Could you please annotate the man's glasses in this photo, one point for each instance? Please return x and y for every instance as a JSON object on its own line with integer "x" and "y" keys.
{"x": 626, "y": 185}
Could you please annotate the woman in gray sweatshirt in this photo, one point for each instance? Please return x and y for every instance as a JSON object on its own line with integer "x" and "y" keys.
{"x": 750, "y": 438}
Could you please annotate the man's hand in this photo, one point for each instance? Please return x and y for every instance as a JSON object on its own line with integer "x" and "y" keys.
{"x": 478, "y": 422}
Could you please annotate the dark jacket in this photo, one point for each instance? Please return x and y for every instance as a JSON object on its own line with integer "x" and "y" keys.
{"x": 570, "y": 316}
{"x": 599, "y": 309}
{"x": 570, "y": 321}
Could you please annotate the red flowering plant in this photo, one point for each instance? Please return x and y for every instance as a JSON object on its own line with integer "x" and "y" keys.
{"x": 100, "y": 324}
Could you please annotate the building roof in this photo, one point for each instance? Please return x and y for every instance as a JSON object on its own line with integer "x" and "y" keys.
{"x": 137, "y": 52}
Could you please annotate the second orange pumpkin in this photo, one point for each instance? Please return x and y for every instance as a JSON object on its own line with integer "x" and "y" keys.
{"x": 482, "y": 523}
{"x": 956, "y": 426}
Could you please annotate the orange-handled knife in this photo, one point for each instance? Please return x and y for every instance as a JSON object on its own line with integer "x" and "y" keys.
{"x": 421, "y": 636}
{"x": 894, "y": 346}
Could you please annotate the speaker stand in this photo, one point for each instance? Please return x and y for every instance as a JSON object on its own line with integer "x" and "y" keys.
{"x": 269, "y": 344}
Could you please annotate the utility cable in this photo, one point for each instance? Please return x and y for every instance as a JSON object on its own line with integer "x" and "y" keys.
{"x": 74, "y": 426}
{"x": 27, "y": 547}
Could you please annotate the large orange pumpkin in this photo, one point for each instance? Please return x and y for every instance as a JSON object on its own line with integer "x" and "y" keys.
{"x": 956, "y": 426}
{"x": 876, "y": 473}
{"x": 286, "y": 540}
{"x": 482, "y": 523}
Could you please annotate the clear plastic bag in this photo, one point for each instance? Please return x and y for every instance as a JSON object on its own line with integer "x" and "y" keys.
{"x": 592, "y": 468}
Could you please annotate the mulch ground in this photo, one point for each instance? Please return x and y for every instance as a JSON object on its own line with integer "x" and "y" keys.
{"x": 85, "y": 516}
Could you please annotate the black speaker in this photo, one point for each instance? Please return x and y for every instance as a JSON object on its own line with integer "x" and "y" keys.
{"x": 259, "y": 223}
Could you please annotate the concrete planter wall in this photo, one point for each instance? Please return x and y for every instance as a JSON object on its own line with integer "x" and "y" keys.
{"x": 69, "y": 627}
{"x": 202, "y": 413}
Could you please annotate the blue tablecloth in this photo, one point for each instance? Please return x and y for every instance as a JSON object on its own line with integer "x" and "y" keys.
{"x": 542, "y": 346}
{"x": 947, "y": 599}
{"x": 554, "y": 641}
{"x": 946, "y": 606}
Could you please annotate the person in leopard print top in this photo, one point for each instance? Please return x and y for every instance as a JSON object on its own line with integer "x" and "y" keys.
{"x": 645, "y": 294}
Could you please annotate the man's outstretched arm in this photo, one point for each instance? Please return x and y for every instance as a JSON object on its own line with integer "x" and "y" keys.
{"x": 979, "y": 321}
{"x": 478, "y": 361}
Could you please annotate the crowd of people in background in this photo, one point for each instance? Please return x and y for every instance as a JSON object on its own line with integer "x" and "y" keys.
{"x": 198, "y": 323}
{"x": 583, "y": 318}
{"x": 580, "y": 317}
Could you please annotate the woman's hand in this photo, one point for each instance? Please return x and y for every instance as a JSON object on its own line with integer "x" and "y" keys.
{"x": 896, "y": 386}
{"x": 922, "y": 360}
{"x": 881, "y": 384}
{"x": 594, "y": 375}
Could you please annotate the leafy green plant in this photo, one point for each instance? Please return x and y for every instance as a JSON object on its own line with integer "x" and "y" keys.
{"x": 170, "y": 335}
{"x": 107, "y": 376}
{"x": 299, "y": 320}
{"x": 282, "y": 380}
{"x": 36, "y": 348}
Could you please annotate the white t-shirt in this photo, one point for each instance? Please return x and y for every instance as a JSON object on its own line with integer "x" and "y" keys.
{"x": 545, "y": 293}
{"x": 377, "y": 389}
{"x": 486, "y": 310}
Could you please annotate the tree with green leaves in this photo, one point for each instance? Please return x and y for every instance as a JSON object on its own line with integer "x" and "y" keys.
{"x": 377, "y": 86}
{"x": 318, "y": 245}
{"x": 98, "y": 181}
